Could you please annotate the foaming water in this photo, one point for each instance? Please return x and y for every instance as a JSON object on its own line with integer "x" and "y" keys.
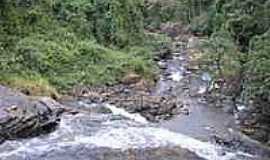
{"x": 94, "y": 131}
{"x": 176, "y": 76}
{"x": 126, "y": 138}
{"x": 119, "y": 111}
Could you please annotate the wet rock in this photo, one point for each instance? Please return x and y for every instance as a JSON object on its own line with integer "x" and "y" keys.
{"x": 228, "y": 109}
{"x": 253, "y": 122}
{"x": 261, "y": 135}
{"x": 5, "y": 91}
{"x": 162, "y": 65}
{"x": 164, "y": 53}
{"x": 22, "y": 117}
{"x": 135, "y": 98}
{"x": 193, "y": 68}
{"x": 79, "y": 105}
{"x": 154, "y": 108}
{"x": 81, "y": 152}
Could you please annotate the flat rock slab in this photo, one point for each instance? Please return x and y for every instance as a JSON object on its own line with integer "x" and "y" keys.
{"x": 21, "y": 116}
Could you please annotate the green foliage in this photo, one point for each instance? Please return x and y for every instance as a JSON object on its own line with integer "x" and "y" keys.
{"x": 258, "y": 66}
{"x": 197, "y": 13}
{"x": 244, "y": 19}
{"x": 62, "y": 42}
{"x": 247, "y": 25}
{"x": 223, "y": 54}
{"x": 68, "y": 61}
{"x": 157, "y": 42}
{"x": 29, "y": 83}
{"x": 208, "y": 21}
{"x": 111, "y": 22}
{"x": 158, "y": 11}
{"x": 240, "y": 47}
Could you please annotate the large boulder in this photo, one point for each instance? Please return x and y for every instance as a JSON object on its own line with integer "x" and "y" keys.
{"x": 22, "y": 117}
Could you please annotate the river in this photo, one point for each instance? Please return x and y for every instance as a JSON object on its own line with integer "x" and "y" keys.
{"x": 120, "y": 135}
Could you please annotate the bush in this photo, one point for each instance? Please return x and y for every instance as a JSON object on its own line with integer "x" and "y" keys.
{"x": 72, "y": 62}
{"x": 111, "y": 22}
{"x": 66, "y": 42}
{"x": 258, "y": 67}
{"x": 29, "y": 83}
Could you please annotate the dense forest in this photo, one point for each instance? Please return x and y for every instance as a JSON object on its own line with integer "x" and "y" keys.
{"x": 52, "y": 45}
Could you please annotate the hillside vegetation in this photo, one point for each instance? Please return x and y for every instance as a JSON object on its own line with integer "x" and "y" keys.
{"x": 61, "y": 43}
{"x": 239, "y": 46}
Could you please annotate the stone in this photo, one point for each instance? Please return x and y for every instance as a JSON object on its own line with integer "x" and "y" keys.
{"x": 134, "y": 98}
{"x": 22, "y": 117}
{"x": 82, "y": 152}
{"x": 75, "y": 106}
{"x": 164, "y": 53}
{"x": 193, "y": 68}
{"x": 162, "y": 65}
{"x": 151, "y": 107}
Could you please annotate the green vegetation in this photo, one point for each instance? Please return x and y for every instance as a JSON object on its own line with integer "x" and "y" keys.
{"x": 237, "y": 50}
{"x": 67, "y": 42}
{"x": 240, "y": 47}
{"x": 185, "y": 11}
{"x": 239, "y": 32}
{"x": 238, "y": 42}
{"x": 62, "y": 43}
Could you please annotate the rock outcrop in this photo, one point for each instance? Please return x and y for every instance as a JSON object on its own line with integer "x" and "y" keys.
{"x": 22, "y": 116}
{"x": 135, "y": 100}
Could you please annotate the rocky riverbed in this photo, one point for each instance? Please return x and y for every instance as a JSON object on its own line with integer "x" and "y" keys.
{"x": 133, "y": 99}
{"x": 170, "y": 121}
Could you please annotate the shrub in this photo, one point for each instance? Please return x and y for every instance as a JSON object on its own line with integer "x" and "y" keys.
{"x": 66, "y": 42}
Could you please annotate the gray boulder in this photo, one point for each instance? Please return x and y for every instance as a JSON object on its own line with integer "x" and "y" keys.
{"x": 22, "y": 116}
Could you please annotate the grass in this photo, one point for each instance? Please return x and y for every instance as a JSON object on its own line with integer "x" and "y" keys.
{"x": 31, "y": 85}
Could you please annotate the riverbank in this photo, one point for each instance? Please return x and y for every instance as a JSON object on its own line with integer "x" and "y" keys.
{"x": 123, "y": 115}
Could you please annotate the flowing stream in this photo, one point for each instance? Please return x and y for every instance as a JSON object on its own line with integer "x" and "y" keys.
{"x": 120, "y": 135}
{"x": 92, "y": 136}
